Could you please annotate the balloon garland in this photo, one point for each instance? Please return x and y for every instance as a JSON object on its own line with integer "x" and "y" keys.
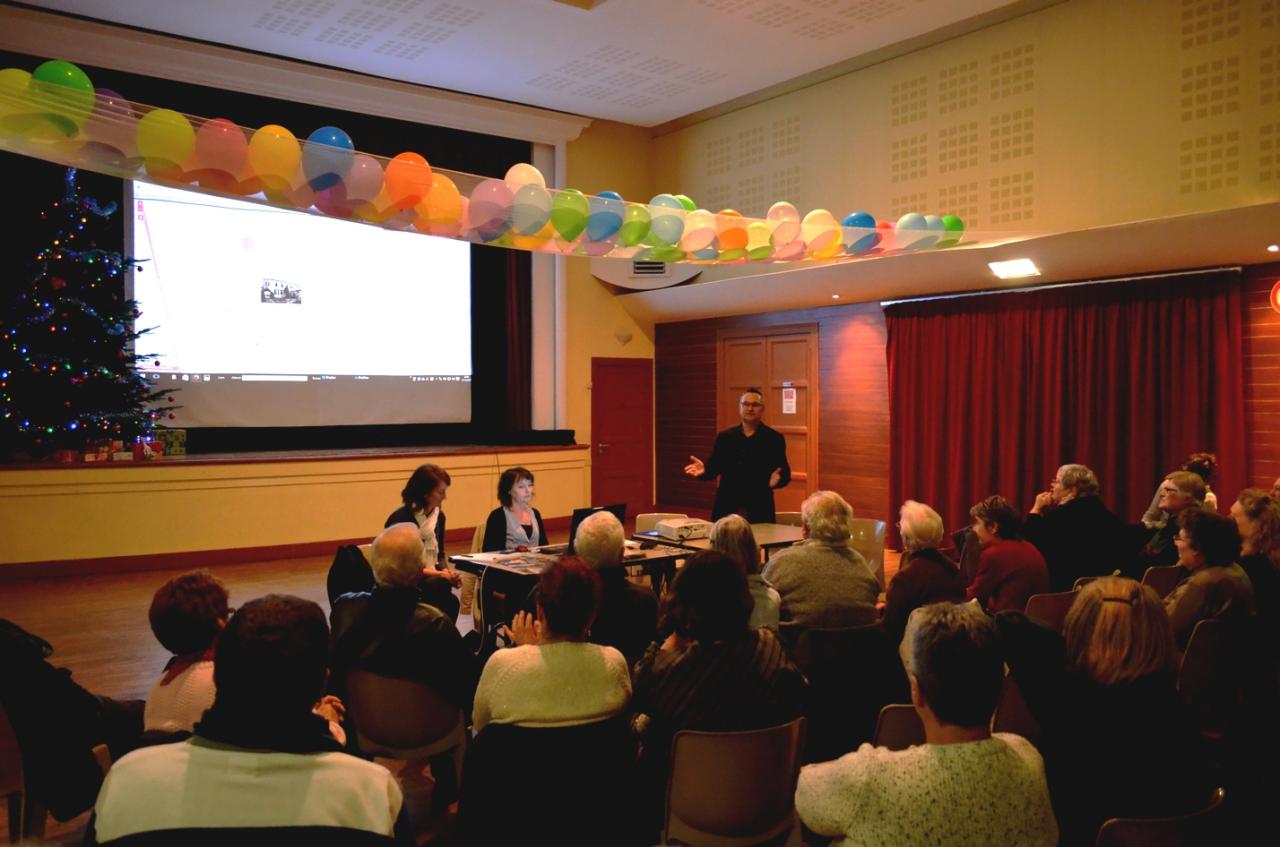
{"x": 55, "y": 113}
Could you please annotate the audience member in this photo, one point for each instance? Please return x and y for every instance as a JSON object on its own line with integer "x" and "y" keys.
{"x": 732, "y": 536}
{"x": 1208, "y": 545}
{"x": 925, "y": 574}
{"x": 1257, "y": 516}
{"x": 1275, "y": 489}
{"x": 423, "y": 498}
{"x": 390, "y": 631}
{"x": 1072, "y": 528}
{"x": 1009, "y": 569}
{"x": 710, "y": 671}
{"x": 1116, "y": 740}
{"x": 1180, "y": 491}
{"x": 260, "y": 761}
{"x": 187, "y": 614}
{"x": 823, "y": 581}
{"x": 1202, "y": 465}
{"x": 515, "y": 523}
{"x": 628, "y": 617}
{"x": 553, "y": 677}
{"x": 964, "y": 785}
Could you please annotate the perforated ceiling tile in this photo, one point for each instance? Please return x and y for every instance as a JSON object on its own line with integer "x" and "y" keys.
{"x": 1012, "y": 135}
{"x": 550, "y": 82}
{"x": 366, "y": 19}
{"x": 750, "y": 198}
{"x": 453, "y": 15}
{"x": 902, "y": 204}
{"x": 736, "y": 7}
{"x": 958, "y": 147}
{"x": 636, "y": 101}
{"x": 776, "y": 15}
{"x": 1268, "y": 150}
{"x": 624, "y": 79}
{"x": 784, "y": 137}
{"x": 1206, "y": 21}
{"x": 666, "y": 88}
{"x": 657, "y": 65}
{"x": 1269, "y": 76}
{"x": 1013, "y": 72}
{"x": 958, "y": 87}
{"x": 1210, "y": 89}
{"x": 716, "y": 196}
{"x": 612, "y": 54}
{"x": 961, "y": 200}
{"x": 909, "y": 101}
{"x": 593, "y": 91}
{"x": 750, "y": 147}
{"x": 701, "y": 76}
{"x": 1011, "y": 198}
{"x": 342, "y": 36}
{"x": 426, "y": 33}
{"x": 717, "y": 156}
{"x": 395, "y": 6}
{"x": 784, "y": 184}
{"x": 870, "y": 11}
{"x": 292, "y": 17}
{"x": 1268, "y": 13}
{"x": 819, "y": 29}
{"x": 909, "y": 158}
{"x": 1209, "y": 162}
{"x": 405, "y": 50}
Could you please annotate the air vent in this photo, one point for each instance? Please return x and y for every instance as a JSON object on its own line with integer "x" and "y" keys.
{"x": 648, "y": 269}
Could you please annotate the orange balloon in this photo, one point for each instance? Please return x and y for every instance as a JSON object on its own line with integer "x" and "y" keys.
{"x": 731, "y": 230}
{"x": 441, "y": 211}
{"x": 408, "y": 180}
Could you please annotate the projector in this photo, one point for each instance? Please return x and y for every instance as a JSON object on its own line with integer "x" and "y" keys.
{"x": 683, "y": 529}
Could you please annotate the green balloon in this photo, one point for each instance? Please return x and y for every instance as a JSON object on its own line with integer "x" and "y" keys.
{"x": 63, "y": 94}
{"x": 955, "y": 227}
{"x": 667, "y": 253}
{"x": 569, "y": 213}
{"x": 635, "y": 225}
{"x": 688, "y": 204}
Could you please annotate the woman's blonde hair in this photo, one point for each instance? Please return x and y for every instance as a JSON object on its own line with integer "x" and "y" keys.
{"x": 1117, "y": 631}
{"x": 1264, "y": 511}
{"x": 732, "y": 536}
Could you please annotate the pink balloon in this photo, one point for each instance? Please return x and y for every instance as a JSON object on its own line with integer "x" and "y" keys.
{"x": 489, "y": 212}
{"x": 364, "y": 180}
{"x": 113, "y": 122}
{"x": 221, "y": 146}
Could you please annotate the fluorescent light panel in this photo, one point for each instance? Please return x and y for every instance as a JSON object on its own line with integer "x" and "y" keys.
{"x": 1014, "y": 268}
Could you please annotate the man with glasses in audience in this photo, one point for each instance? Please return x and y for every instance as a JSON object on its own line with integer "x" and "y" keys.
{"x": 751, "y": 461}
{"x": 1181, "y": 490}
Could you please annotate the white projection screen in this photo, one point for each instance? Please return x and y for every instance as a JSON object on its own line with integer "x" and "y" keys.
{"x": 271, "y": 318}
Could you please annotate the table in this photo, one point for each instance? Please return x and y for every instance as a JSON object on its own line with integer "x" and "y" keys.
{"x": 769, "y": 536}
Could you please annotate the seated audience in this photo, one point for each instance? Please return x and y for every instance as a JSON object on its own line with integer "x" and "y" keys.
{"x": 1009, "y": 569}
{"x": 423, "y": 497}
{"x": 1115, "y": 738}
{"x": 628, "y": 617}
{"x": 823, "y": 581}
{"x": 261, "y": 765}
{"x": 1257, "y": 516}
{"x": 1202, "y": 465}
{"x": 1072, "y": 528}
{"x": 925, "y": 574}
{"x": 732, "y": 536}
{"x": 710, "y": 671}
{"x": 390, "y": 631}
{"x": 187, "y": 614}
{"x": 1208, "y": 545}
{"x": 964, "y": 785}
{"x": 1180, "y": 491}
{"x": 1275, "y": 489}
{"x": 515, "y": 523}
{"x": 554, "y": 677}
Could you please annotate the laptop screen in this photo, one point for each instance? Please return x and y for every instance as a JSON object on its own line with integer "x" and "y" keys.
{"x": 579, "y": 515}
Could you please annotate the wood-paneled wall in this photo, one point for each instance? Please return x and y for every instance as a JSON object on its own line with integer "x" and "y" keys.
{"x": 1262, "y": 376}
{"x": 853, "y": 423}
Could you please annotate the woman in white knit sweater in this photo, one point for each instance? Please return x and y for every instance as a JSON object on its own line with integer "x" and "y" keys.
{"x": 553, "y": 677}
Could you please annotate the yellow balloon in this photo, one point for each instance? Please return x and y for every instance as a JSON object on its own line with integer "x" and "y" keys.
{"x": 274, "y": 152}
{"x": 165, "y": 138}
{"x": 15, "y": 98}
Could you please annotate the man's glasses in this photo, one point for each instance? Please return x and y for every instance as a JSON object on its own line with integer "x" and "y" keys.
{"x": 752, "y": 405}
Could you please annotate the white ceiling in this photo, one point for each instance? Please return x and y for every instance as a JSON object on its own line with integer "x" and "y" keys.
{"x": 642, "y": 62}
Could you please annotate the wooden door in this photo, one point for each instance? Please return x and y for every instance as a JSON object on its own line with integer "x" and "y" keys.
{"x": 622, "y": 433}
{"x": 783, "y": 363}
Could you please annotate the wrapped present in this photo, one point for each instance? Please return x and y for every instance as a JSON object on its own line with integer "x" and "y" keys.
{"x": 174, "y": 441}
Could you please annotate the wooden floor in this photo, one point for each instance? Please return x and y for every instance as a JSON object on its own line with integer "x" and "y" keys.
{"x": 99, "y": 631}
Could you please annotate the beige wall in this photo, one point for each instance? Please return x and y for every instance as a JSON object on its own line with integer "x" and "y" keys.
{"x": 607, "y": 156}
{"x": 1068, "y": 117}
{"x": 100, "y": 512}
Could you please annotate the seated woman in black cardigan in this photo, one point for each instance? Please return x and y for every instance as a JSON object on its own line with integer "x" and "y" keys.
{"x": 422, "y": 497}
{"x": 515, "y": 523}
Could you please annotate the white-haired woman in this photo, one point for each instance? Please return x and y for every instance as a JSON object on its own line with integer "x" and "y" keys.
{"x": 925, "y": 575}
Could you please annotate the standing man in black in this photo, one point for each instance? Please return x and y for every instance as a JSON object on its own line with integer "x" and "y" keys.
{"x": 751, "y": 461}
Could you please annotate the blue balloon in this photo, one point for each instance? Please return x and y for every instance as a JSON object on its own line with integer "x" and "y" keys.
{"x": 665, "y": 228}
{"x": 856, "y": 244}
{"x": 605, "y": 218}
{"x": 862, "y": 220}
{"x": 532, "y": 209}
{"x": 327, "y": 157}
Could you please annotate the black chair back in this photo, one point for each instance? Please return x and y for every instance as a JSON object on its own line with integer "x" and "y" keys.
{"x": 853, "y": 673}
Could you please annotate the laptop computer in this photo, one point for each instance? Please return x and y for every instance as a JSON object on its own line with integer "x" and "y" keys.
{"x": 579, "y": 515}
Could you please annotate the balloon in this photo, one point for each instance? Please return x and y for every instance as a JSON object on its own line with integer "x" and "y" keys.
{"x": 906, "y": 228}
{"x": 489, "y": 212}
{"x": 408, "y": 179}
{"x": 274, "y": 154}
{"x": 605, "y": 218}
{"x": 327, "y": 156}
{"x": 860, "y": 242}
{"x": 165, "y": 139}
{"x": 113, "y": 123}
{"x": 531, "y": 209}
{"x": 731, "y": 232}
{"x": 665, "y": 227}
{"x": 786, "y": 218}
{"x": 954, "y": 227}
{"x": 699, "y": 231}
{"x": 759, "y": 244}
{"x": 635, "y": 225}
{"x": 441, "y": 212}
{"x": 16, "y": 109}
{"x": 687, "y": 203}
{"x": 62, "y": 94}
{"x": 569, "y": 212}
{"x": 221, "y": 145}
{"x": 819, "y": 231}
{"x": 664, "y": 253}
{"x": 364, "y": 180}
{"x": 524, "y": 174}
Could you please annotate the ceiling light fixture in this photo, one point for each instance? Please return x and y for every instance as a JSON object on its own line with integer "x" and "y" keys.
{"x": 1273, "y": 248}
{"x": 1014, "y": 268}
{"x": 835, "y": 296}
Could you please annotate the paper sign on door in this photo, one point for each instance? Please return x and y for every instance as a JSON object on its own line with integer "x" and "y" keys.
{"x": 788, "y": 401}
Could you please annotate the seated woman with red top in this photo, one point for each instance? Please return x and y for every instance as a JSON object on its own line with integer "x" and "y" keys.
{"x": 1009, "y": 569}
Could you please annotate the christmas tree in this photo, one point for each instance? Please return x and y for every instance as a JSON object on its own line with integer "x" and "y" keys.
{"x": 67, "y": 339}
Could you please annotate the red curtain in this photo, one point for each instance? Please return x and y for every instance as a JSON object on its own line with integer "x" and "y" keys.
{"x": 990, "y": 394}
{"x": 519, "y": 333}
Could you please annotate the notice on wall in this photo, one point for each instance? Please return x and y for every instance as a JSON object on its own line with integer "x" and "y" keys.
{"x": 788, "y": 401}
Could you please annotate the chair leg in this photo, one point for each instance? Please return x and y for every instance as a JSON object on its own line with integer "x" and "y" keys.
{"x": 34, "y": 815}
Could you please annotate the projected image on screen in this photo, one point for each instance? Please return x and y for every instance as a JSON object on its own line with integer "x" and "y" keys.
{"x": 265, "y": 317}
